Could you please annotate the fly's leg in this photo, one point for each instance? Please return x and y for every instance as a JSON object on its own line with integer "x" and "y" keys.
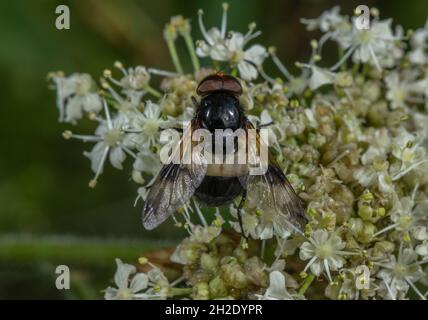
{"x": 260, "y": 126}
{"x": 241, "y": 204}
{"x": 265, "y": 124}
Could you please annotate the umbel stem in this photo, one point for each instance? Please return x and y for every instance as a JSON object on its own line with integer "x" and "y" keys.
{"x": 174, "y": 56}
{"x": 306, "y": 284}
{"x": 191, "y": 48}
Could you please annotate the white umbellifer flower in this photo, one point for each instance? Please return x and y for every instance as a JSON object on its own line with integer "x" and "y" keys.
{"x": 380, "y": 144}
{"x": 134, "y": 84}
{"x": 408, "y": 148}
{"x": 324, "y": 252}
{"x": 297, "y": 85}
{"x": 109, "y": 143}
{"x": 422, "y": 249}
{"x": 369, "y": 45}
{"x": 214, "y": 44}
{"x": 319, "y": 76}
{"x": 270, "y": 224}
{"x": 419, "y": 45}
{"x": 277, "y": 289}
{"x": 127, "y": 290}
{"x": 375, "y": 175}
{"x": 327, "y": 21}
{"x": 135, "y": 78}
{"x": 402, "y": 88}
{"x": 352, "y": 285}
{"x": 160, "y": 286}
{"x": 204, "y": 234}
{"x": 407, "y": 218}
{"x": 397, "y": 90}
{"x": 333, "y": 25}
{"x": 75, "y": 95}
{"x": 247, "y": 61}
{"x": 221, "y": 48}
{"x": 276, "y": 132}
{"x": 147, "y": 162}
{"x": 249, "y": 222}
{"x": 398, "y": 273}
{"x": 145, "y": 127}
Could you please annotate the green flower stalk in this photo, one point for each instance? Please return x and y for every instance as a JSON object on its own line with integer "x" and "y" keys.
{"x": 170, "y": 35}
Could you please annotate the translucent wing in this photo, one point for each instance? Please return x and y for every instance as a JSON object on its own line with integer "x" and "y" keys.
{"x": 272, "y": 189}
{"x": 175, "y": 184}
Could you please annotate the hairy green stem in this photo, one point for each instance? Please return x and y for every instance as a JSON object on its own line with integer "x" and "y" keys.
{"x": 191, "y": 48}
{"x": 153, "y": 92}
{"x": 306, "y": 284}
{"x": 69, "y": 250}
{"x": 174, "y": 292}
{"x": 173, "y": 52}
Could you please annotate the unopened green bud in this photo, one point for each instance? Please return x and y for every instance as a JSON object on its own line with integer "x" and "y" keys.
{"x": 217, "y": 288}
{"x": 342, "y": 296}
{"x": 308, "y": 230}
{"x": 406, "y": 237}
{"x": 365, "y": 212}
{"x": 67, "y": 134}
{"x": 356, "y": 225}
{"x": 312, "y": 212}
{"x": 381, "y": 212}
{"x": 344, "y": 79}
{"x": 190, "y": 251}
{"x": 240, "y": 254}
{"x": 367, "y": 196}
{"x": 170, "y": 32}
{"x": 209, "y": 262}
{"x": 234, "y": 275}
{"x": 366, "y": 234}
{"x": 254, "y": 269}
{"x": 201, "y": 291}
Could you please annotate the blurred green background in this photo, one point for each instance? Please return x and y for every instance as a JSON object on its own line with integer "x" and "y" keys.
{"x": 48, "y": 215}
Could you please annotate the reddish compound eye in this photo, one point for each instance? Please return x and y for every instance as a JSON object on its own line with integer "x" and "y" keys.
{"x": 219, "y": 82}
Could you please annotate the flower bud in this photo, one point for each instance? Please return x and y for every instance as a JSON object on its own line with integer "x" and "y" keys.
{"x": 240, "y": 254}
{"x": 233, "y": 274}
{"x": 209, "y": 262}
{"x": 383, "y": 248}
{"x": 366, "y": 234}
{"x": 189, "y": 251}
{"x": 254, "y": 269}
{"x": 344, "y": 79}
{"x": 217, "y": 288}
{"x": 201, "y": 291}
{"x": 365, "y": 212}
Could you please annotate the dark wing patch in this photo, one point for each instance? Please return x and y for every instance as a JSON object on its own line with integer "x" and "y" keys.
{"x": 273, "y": 191}
{"x": 173, "y": 188}
{"x": 175, "y": 184}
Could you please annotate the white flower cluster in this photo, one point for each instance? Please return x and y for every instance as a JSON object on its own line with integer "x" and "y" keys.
{"x": 355, "y": 151}
{"x": 131, "y": 285}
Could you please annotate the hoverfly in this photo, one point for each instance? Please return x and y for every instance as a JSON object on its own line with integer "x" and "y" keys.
{"x": 216, "y": 185}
